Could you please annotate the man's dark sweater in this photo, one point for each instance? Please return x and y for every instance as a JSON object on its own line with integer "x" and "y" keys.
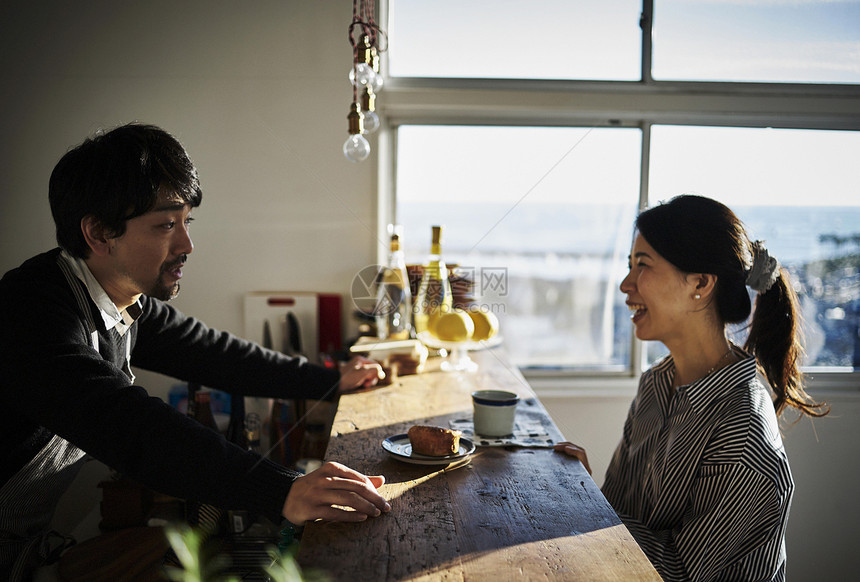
{"x": 53, "y": 382}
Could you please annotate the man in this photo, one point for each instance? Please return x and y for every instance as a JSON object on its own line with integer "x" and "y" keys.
{"x": 76, "y": 318}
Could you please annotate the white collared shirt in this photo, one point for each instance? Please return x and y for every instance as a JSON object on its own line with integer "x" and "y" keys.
{"x": 113, "y": 318}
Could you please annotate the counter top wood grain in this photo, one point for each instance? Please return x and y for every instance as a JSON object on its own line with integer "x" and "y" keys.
{"x": 508, "y": 513}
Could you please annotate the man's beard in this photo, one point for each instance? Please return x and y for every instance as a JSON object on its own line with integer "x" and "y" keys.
{"x": 161, "y": 290}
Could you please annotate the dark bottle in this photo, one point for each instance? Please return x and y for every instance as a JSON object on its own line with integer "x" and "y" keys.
{"x": 279, "y": 429}
{"x": 207, "y": 517}
{"x": 203, "y": 410}
{"x": 236, "y": 428}
{"x": 242, "y": 522}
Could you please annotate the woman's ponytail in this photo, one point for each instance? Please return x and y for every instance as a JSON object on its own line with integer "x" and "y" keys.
{"x": 774, "y": 338}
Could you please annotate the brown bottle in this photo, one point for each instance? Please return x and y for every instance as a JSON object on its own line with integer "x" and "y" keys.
{"x": 203, "y": 410}
{"x": 207, "y": 517}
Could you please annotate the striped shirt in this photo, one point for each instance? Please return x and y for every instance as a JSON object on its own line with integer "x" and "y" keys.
{"x": 701, "y": 478}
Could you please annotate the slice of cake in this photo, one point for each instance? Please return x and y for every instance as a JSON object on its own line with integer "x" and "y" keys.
{"x": 434, "y": 441}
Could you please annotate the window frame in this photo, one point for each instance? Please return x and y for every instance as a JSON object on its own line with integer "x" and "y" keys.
{"x": 639, "y": 104}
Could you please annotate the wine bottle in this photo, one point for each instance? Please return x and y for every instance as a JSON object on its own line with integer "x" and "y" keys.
{"x": 202, "y": 408}
{"x": 236, "y": 428}
{"x": 278, "y": 430}
{"x": 434, "y": 294}
{"x": 393, "y": 309}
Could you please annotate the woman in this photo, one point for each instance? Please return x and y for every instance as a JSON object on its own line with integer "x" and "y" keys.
{"x": 700, "y": 477}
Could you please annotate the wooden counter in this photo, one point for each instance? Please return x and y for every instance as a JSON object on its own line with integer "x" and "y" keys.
{"x": 511, "y": 513}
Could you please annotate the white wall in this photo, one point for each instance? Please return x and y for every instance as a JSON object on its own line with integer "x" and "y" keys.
{"x": 257, "y": 93}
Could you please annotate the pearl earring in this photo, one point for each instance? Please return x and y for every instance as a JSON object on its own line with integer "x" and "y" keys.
{"x": 697, "y": 296}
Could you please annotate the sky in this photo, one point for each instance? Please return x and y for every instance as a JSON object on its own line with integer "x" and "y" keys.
{"x": 726, "y": 40}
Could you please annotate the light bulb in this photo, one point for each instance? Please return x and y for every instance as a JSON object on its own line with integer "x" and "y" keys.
{"x": 376, "y": 83}
{"x": 362, "y": 75}
{"x": 356, "y": 148}
{"x": 371, "y": 122}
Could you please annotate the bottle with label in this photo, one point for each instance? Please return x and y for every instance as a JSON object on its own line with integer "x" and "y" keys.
{"x": 434, "y": 294}
{"x": 393, "y": 309}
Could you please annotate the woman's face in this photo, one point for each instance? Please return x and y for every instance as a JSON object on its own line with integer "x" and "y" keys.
{"x": 660, "y": 296}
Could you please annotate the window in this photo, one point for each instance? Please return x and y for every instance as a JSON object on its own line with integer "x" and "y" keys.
{"x": 541, "y": 218}
{"x": 798, "y": 190}
{"x": 778, "y": 41}
{"x": 507, "y": 39}
{"x": 539, "y": 174}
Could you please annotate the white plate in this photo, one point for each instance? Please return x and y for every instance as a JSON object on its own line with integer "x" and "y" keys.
{"x": 399, "y": 447}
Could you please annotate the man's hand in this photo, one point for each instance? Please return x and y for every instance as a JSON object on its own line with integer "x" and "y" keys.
{"x": 315, "y": 495}
{"x": 574, "y": 451}
{"x": 359, "y": 373}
